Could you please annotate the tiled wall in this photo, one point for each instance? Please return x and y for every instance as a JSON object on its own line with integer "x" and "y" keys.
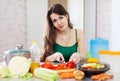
{"x": 12, "y": 24}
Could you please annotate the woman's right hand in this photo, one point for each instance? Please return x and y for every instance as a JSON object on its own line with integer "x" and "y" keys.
{"x": 56, "y": 57}
{"x": 59, "y": 57}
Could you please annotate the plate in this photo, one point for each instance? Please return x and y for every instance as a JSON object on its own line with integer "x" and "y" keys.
{"x": 90, "y": 72}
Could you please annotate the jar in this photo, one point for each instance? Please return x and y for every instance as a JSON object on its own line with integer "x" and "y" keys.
{"x": 18, "y": 51}
{"x": 112, "y": 58}
{"x": 96, "y": 45}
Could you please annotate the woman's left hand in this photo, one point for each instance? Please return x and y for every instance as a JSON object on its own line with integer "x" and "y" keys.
{"x": 75, "y": 57}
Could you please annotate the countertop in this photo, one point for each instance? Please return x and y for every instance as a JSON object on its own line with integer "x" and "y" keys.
{"x": 116, "y": 77}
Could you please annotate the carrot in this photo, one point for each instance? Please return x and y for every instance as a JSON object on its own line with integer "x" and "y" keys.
{"x": 102, "y": 77}
{"x": 67, "y": 75}
{"x": 95, "y": 77}
{"x": 65, "y": 70}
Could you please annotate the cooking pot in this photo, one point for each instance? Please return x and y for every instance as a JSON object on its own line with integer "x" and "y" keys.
{"x": 18, "y": 51}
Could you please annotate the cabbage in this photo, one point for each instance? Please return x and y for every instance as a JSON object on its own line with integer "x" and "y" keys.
{"x": 19, "y": 65}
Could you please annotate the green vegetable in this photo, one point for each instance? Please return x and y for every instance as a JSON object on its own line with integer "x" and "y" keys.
{"x": 26, "y": 76}
{"x": 18, "y": 67}
{"x": 93, "y": 65}
{"x": 4, "y": 72}
{"x": 46, "y": 74}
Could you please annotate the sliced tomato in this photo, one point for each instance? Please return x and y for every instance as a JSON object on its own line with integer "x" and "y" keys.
{"x": 60, "y": 66}
{"x": 47, "y": 65}
{"x": 70, "y": 64}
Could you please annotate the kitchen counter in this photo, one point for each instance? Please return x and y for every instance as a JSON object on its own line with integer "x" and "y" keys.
{"x": 116, "y": 77}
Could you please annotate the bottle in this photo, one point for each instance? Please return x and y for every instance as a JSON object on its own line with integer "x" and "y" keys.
{"x": 35, "y": 52}
{"x": 98, "y": 44}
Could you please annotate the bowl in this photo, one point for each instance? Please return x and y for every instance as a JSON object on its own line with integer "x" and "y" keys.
{"x": 18, "y": 51}
{"x": 90, "y": 72}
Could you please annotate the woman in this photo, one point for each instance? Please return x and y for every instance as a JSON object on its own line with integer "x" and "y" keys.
{"x": 62, "y": 43}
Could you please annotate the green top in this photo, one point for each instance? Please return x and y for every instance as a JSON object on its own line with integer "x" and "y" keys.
{"x": 66, "y": 51}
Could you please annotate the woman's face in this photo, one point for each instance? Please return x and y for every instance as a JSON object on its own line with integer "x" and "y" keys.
{"x": 59, "y": 21}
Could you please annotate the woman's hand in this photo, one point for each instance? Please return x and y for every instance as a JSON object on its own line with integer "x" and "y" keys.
{"x": 75, "y": 57}
{"x": 59, "y": 57}
{"x": 56, "y": 57}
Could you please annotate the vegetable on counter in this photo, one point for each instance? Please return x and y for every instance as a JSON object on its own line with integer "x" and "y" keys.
{"x": 79, "y": 75}
{"x": 93, "y": 66}
{"x": 60, "y": 71}
{"x": 4, "y": 72}
{"x": 65, "y": 70}
{"x": 102, "y": 77}
{"x": 18, "y": 67}
{"x": 46, "y": 74}
{"x": 57, "y": 66}
{"x": 93, "y": 60}
{"x": 71, "y": 73}
{"x": 67, "y": 75}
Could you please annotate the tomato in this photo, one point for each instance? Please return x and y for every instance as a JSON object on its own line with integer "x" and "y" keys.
{"x": 60, "y": 66}
{"x": 47, "y": 65}
{"x": 70, "y": 65}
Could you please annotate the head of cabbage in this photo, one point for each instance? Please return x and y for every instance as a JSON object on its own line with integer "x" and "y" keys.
{"x": 19, "y": 65}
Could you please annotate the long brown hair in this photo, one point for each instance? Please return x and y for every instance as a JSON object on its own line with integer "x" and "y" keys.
{"x": 50, "y": 32}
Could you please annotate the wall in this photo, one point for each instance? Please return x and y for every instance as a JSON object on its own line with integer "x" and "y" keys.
{"x": 115, "y": 25}
{"x": 63, "y": 2}
{"x": 103, "y": 26}
{"x": 107, "y": 22}
{"x": 76, "y": 13}
{"x": 97, "y": 20}
{"x": 90, "y": 21}
{"x": 12, "y": 24}
{"x": 36, "y": 10}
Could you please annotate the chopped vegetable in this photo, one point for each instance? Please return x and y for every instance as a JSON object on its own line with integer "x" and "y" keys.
{"x": 57, "y": 66}
{"x": 93, "y": 66}
{"x": 70, "y": 64}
